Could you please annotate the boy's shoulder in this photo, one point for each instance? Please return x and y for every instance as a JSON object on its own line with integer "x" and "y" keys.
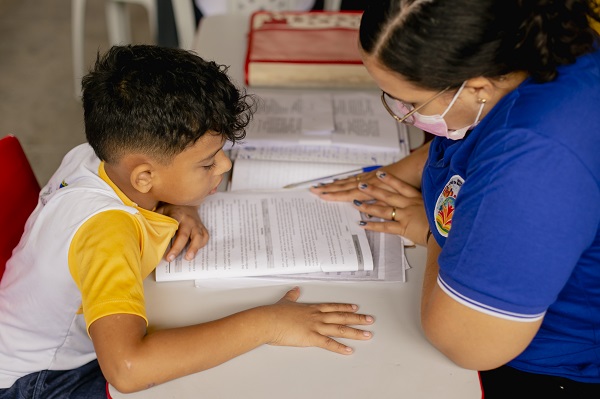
{"x": 77, "y": 182}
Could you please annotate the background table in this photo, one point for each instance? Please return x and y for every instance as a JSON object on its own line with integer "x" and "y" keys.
{"x": 397, "y": 362}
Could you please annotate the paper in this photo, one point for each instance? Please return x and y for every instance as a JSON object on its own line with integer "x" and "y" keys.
{"x": 389, "y": 262}
{"x": 281, "y": 116}
{"x": 268, "y": 175}
{"x": 389, "y": 265}
{"x": 325, "y": 153}
{"x": 362, "y": 122}
{"x": 281, "y": 232}
{"x": 358, "y": 120}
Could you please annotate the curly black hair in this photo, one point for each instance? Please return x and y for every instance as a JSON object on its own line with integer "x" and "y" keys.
{"x": 437, "y": 44}
{"x": 158, "y": 101}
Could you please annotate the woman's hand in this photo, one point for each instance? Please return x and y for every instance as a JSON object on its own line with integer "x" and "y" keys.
{"x": 346, "y": 190}
{"x": 409, "y": 169}
{"x": 302, "y": 325}
{"x": 190, "y": 230}
{"x": 402, "y": 208}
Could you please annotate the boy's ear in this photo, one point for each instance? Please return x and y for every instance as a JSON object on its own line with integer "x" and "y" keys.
{"x": 141, "y": 177}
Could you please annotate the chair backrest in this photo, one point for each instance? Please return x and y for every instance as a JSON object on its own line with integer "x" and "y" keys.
{"x": 19, "y": 197}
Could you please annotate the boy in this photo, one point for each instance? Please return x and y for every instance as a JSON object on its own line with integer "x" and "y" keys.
{"x": 156, "y": 120}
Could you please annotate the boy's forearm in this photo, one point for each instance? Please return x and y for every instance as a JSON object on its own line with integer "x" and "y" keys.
{"x": 168, "y": 354}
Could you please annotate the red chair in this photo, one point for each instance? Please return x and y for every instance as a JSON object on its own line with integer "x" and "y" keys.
{"x": 18, "y": 198}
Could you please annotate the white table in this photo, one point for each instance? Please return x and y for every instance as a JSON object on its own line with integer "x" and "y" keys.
{"x": 397, "y": 362}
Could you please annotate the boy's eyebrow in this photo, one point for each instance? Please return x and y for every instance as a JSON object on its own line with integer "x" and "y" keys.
{"x": 211, "y": 156}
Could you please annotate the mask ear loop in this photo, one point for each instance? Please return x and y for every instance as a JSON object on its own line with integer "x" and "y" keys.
{"x": 453, "y": 134}
{"x": 481, "y": 101}
{"x": 462, "y": 86}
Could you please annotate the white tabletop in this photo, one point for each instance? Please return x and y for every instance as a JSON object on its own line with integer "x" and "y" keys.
{"x": 397, "y": 362}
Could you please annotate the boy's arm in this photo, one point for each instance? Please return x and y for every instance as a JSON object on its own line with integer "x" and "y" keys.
{"x": 132, "y": 359}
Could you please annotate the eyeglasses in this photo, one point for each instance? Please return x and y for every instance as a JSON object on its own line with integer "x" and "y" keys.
{"x": 401, "y": 111}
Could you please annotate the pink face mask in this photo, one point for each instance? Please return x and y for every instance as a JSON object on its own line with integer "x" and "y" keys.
{"x": 435, "y": 124}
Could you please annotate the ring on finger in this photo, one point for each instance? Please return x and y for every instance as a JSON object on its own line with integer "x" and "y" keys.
{"x": 357, "y": 178}
{"x": 394, "y": 213}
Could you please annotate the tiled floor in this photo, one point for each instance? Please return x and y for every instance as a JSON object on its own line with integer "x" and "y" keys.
{"x": 37, "y": 102}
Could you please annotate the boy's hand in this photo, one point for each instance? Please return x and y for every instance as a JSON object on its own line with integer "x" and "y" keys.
{"x": 297, "y": 324}
{"x": 190, "y": 230}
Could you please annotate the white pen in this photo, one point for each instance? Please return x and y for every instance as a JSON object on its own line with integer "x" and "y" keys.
{"x": 350, "y": 172}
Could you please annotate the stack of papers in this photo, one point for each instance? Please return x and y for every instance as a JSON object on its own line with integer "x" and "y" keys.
{"x": 301, "y": 137}
{"x": 287, "y": 235}
{"x": 267, "y": 233}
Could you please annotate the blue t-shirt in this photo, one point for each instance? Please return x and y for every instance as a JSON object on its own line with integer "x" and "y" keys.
{"x": 516, "y": 208}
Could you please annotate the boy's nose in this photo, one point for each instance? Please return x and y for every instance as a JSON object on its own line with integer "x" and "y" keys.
{"x": 223, "y": 163}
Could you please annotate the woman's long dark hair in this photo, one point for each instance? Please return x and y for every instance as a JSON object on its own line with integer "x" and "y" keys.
{"x": 437, "y": 43}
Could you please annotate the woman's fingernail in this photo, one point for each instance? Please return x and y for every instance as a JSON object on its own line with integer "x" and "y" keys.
{"x": 357, "y": 202}
{"x": 367, "y": 333}
{"x": 171, "y": 258}
{"x": 362, "y": 223}
{"x": 362, "y": 186}
{"x": 381, "y": 175}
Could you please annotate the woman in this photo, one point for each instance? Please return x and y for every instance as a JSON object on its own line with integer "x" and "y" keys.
{"x": 507, "y": 198}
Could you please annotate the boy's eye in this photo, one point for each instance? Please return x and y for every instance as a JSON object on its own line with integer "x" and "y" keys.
{"x": 209, "y": 167}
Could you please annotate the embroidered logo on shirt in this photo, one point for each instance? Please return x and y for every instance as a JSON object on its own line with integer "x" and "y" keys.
{"x": 444, "y": 207}
{"x": 49, "y": 190}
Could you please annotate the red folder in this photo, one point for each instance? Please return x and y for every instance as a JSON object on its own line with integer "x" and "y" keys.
{"x": 305, "y": 49}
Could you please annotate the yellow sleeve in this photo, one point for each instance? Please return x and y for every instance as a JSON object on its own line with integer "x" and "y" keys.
{"x": 105, "y": 262}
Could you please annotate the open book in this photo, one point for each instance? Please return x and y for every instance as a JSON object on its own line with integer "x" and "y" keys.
{"x": 295, "y": 137}
{"x": 267, "y": 233}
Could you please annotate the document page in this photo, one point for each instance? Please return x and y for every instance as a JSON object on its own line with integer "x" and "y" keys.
{"x": 389, "y": 261}
{"x": 356, "y": 120}
{"x": 292, "y": 117}
{"x": 272, "y": 175}
{"x": 389, "y": 265}
{"x": 326, "y": 153}
{"x": 362, "y": 122}
{"x": 266, "y": 233}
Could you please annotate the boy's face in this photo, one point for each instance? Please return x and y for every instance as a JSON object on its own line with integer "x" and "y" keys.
{"x": 194, "y": 173}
